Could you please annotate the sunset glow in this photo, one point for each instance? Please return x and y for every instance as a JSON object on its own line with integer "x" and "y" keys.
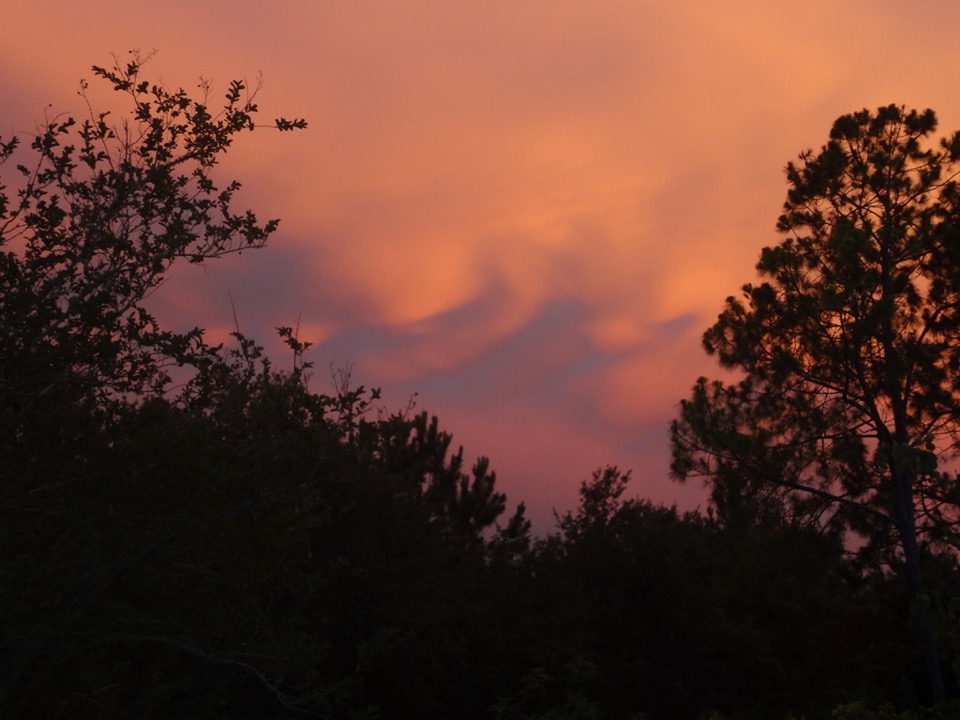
{"x": 524, "y": 213}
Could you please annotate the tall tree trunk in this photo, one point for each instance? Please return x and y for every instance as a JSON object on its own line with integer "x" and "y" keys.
{"x": 904, "y": 513}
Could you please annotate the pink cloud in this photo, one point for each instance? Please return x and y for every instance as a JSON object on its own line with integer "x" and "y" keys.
{"x": 525, "y": 212}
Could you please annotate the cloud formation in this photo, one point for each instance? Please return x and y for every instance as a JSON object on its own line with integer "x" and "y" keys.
{"x": 525, "y": 213}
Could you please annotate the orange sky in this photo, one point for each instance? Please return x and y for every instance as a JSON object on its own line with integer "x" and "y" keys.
{"x": 526, "y": 212}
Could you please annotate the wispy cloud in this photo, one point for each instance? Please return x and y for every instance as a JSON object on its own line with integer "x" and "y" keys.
{"x": 524, "y": 212}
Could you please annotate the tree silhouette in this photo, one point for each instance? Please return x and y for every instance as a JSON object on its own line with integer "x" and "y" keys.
{"x": 848, "y": 411}
{"x": 235, "y": 546}
{"x": 240, "y": 546}
{"x": 98, "y": 217}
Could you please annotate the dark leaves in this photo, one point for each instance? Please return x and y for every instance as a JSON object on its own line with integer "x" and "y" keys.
{"x": 103, "y": 211}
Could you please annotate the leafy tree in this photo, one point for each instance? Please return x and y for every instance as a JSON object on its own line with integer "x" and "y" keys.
{"x": 848, "y": 411}
{"x": 638, "y": 610}
{"x": 94, "y": 222}
{"x": 112, "y": 502}
{"x": 242, "y": 547}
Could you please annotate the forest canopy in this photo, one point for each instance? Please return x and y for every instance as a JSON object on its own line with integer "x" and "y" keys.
{"x": 237, "y": 545}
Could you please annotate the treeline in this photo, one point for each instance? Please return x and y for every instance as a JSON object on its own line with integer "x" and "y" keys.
{"x": 274, "y": 554}
{"x": 239, "y": 546}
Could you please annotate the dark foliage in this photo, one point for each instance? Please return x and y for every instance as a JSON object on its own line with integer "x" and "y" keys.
{"x": 846, "y": 416}
{"x": 242, "y": 547}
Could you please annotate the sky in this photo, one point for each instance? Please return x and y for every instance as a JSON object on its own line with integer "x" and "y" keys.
{"x": 521, "y": 215}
